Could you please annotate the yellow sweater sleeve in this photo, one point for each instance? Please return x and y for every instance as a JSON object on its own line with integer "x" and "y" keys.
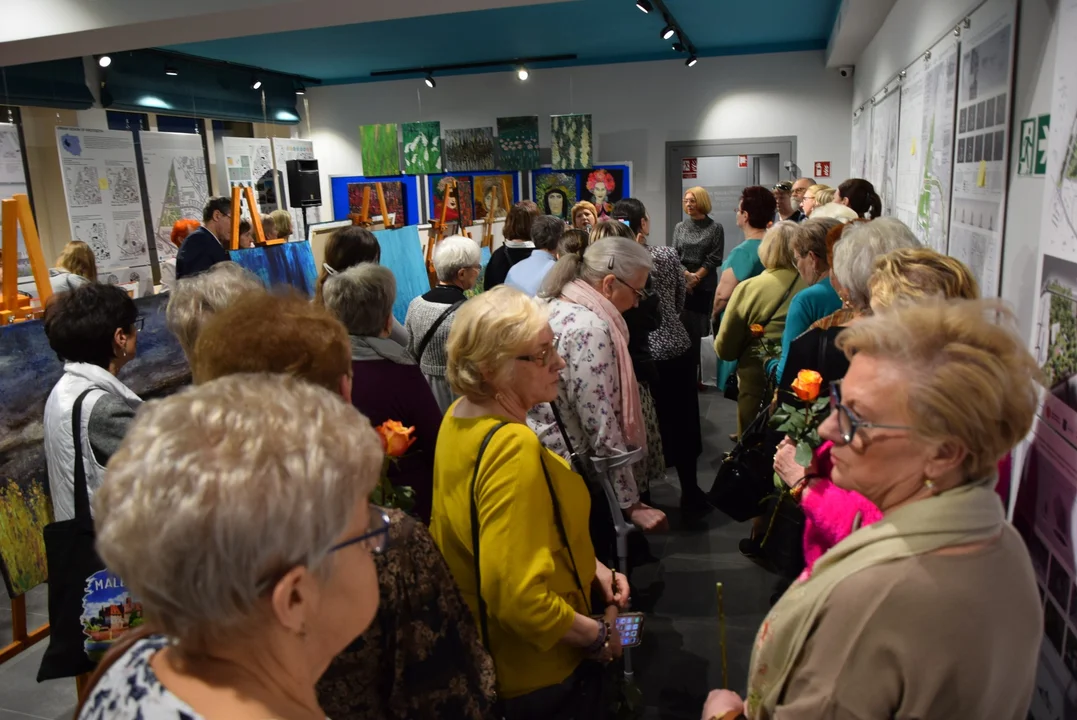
{"x": 516, "y": 531}
{"x": 732, "y": 337}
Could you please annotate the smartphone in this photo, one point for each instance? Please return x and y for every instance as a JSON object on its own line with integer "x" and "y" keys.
{"x": 629, "y": 627}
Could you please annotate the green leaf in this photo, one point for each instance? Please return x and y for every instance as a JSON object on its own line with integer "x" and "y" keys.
{"x": 804, "y": 454}
{"x": 821, "y": 404}
{"x": 789, "y": 409}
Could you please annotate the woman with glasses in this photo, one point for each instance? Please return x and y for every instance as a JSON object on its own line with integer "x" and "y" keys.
{"x": 932, "y": 612}
{"x": 598, "y": 398}
{"x": 93, "y": 330}
{"x": 511, "y": 517}
{"x": 422, "y": 620}
{"x": 207, "y": 514}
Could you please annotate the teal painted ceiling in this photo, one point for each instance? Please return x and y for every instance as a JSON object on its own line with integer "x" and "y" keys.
{"x": 597, "y": 31}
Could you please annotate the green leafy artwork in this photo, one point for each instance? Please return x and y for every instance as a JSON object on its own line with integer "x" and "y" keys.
{"x": 571, "y": 142}
{"x": 23, "y": 517}
{"x": 469, "y": 150}
{"x": 422, "y": 148}
{"x": 518, "y": 142}
{"x": 380, "y": 150}
{"x": 1062, "y": 354}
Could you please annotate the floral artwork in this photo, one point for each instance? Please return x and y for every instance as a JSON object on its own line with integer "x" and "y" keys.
{"x": 23, "y": 517}
{"x": 555, "y": 193}
{"x": 490, "y": 194}
{"x": 469, "y": 150}
{"x": 394, "y": 200}
{"x": 380, "y": 150}
{"x": 603, "y": 189}
{"x": 518, "y": 142}
{"x": 422, "y": 148}
{"x": 461, "y": 206}
{"x": 571, "y": 142}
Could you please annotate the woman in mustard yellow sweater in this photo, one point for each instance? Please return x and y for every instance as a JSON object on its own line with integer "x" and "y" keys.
{"x": 493, "y": 479}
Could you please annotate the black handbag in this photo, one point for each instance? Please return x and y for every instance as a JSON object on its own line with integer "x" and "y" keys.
{"x": 89, "y": 607}
{"x": 782, "y": 544}
{"x": 744, "y": 479}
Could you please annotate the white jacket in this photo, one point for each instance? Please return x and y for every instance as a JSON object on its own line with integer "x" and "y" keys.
{"x": 59, "y": 443}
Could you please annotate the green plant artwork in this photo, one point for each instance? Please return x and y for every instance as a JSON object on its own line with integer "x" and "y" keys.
{"x": 518, "y": 142}
{"x": 23, "y": 517}
{"x": 422, "y": 148}
{"x": 380, "y": 150}
{"x": 571, "y": 142}
{"x": 469, "y": 150}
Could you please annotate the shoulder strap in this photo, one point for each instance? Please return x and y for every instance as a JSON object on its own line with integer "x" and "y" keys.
{"x": 82, "y": 493}
{"x": 781, "y": 302}
{"x": 577, "y": 462}
{"x": 433, "y": 329}
{"x": 483, "y": 624}
{"x": 560, "y": 523}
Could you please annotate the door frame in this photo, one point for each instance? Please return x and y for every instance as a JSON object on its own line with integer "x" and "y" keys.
{"x": 785, "y": 147}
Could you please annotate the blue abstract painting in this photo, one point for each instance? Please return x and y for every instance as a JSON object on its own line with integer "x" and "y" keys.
{"x": 402, "y": 252}
{"x": 290, "y": 263}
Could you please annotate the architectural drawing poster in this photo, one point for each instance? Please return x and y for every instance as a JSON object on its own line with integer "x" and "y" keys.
{"x": 13, "y": 179}
{"x": 176, "y": 183}
{"x": 861, "y": 144}
{"x": 248, "y": 162}
{"x": 104, "y": 201}
{"x": 883, "y": 167}
{"x": 285, "y": 149}
{"x": 977, "y": 217}
{"x": 926, "y": 144}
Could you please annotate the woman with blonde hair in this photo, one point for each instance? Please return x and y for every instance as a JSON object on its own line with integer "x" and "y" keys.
{"x": 75, "y": 267}
{"x": 851, "y": 639}
{"x": 197, "y": 298}
{"x": 700, "y": 242}
{"x": 282, "y": 224}
{"x": 584, "y": 215}
{"x": 824, "y": 196}
{"x": 811, "y": 198}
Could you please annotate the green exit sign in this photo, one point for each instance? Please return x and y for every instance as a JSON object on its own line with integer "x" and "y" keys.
{"x": 1032, "y": 158}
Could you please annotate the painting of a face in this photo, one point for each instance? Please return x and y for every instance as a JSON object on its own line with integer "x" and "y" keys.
{"x": 600, "y": 192}
{"x": 555, "y": 201}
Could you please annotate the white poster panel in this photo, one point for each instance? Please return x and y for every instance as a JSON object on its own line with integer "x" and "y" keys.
{"x": 285, "y": 149}
{"x": 861, "y": 144}
{"x": 104, "y": 201}
{"x": 926, "y": 144}
{"x": 13, "y": 180}
{"x": 248, "y": 162}
{"x": 883, "y": 168}
{"x": 977, "y": 218}
{"x": 176, "y": 183}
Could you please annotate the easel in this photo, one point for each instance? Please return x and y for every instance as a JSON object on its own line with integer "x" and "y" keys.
{"x": 16, "y": 212}
{"x": 363, "y": 218}
{"x": 256, "y": 217}
{"x": 488, "y": 228}
{"x": 437, "y": 229}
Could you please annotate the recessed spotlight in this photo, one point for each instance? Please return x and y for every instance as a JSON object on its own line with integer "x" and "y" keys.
{"x": 691, "y": 61}
{"x": 522, "y": 73}
{"x": 171, "y": 71}
{"x": 104, "y": 61}
{"x": 668, "y": 31}
{"x": 644, "y": 5}
{"x": 429, "y": 80}
{"x": 256, "y": 85}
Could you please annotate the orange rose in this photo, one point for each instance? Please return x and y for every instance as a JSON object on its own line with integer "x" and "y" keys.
{"x": 807, "y": 385}
{"x": 757, "y": 330}
{"x": 395, "y": 438}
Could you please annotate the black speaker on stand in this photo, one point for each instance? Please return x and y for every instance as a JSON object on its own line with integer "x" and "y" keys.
{"x": 304, "y": 186}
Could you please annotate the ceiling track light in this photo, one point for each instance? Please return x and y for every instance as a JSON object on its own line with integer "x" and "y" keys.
{"x": 256, "y": 84}
{"x": 104, "y": 61}
{"x": 668, "y": 31}
{"x": 678, "y": 47}
{"x": 171, "y": 71}
{"x": 644, "y": 5}
{"x": 691, "y": 61}
{"x": 522, "y": 73}
{"x": 429, "y": 80}
{"x": 300, "y": 90}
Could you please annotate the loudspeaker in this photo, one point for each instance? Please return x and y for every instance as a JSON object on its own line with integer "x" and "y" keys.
{"x": 304, "y": 186}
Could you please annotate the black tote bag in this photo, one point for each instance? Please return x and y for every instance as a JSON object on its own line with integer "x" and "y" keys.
{"x": 89, "y": 608}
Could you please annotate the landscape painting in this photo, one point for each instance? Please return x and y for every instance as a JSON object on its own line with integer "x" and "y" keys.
{"x": 555, "y": 192}
{"x": 380, "y": 150}
{"x": 518, "y": 142}
{"x": 493, "y": 196}
{"x": 290, "y": 263}
{"x": 422, "y": 148}
{"x": 461, "y": 207}
{"x": 571, "y": 142}
{"x": 30, "y": 370}
{"x": 394, "y": 200}
{"x": 469, "y": 150}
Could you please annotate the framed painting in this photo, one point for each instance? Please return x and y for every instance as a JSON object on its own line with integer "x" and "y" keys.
{"x": 555, "y": 192}
{"x": 422, "y": 148}
{"x": 602, "y": 187}
{"x": 571, "y": 142}
{"x": 518, "y": 142}
{"x": 469, "y": 150}
{"x": 461, "y": 208}
{"x": 380, "y": 149}
{"x": 494, "y": 195}
{"x": 394, "y": 201}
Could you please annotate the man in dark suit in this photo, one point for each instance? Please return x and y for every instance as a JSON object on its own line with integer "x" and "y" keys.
{"x": 205, "y": 247}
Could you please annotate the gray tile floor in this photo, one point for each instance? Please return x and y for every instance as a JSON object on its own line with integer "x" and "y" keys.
{"x": 680, "y": 659}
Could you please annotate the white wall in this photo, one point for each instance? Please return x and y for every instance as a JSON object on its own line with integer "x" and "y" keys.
{"x": 912, "y": 27}
{"x": 636, "y": 109}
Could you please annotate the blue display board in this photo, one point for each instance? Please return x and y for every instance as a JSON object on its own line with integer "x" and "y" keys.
{"x": 341, "y": 206}
{"x": 622, "y": 175}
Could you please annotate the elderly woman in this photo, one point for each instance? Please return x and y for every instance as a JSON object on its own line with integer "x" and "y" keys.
{"x": 584, "y": 215}
{"x": 195, "y": 299}
{"x": 825, "y": 196}
{"x": 282, "y": 224}
{"x": 700, "y": 244}
{"x": 511, "y": 517}
{"x": 755, "y": 215}
{"x": 75, "y": 267}
{"x": 386, "y": 382}
{"x": 457, "y": 262}
{"x": 206, "y": 516}
{"x": 811, "y": 199}
{"x": 573, "y": 241}
{"x": 924, "y": 582}
{"x": 757, "y": 311}
{"x": 93, "y": 329}
{"x": 859, "y": 196}
{"x": 517, "y": 246}
{"x": 422, "y": 655}
{"x": 598, "y": 398}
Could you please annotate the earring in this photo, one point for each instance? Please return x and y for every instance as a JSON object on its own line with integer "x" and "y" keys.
{"x": 930, "y": 485}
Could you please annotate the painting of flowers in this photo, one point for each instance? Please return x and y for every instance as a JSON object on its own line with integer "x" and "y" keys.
{"x": 604, "y": 188}
{"x": 518, "y": 142}
{"x": 469, "y": 150}
{"x": 380, "y": 150}
{"x": 555, "y": 193}
{"x": 422, "y": 148}
{"x": 571, "y": 142}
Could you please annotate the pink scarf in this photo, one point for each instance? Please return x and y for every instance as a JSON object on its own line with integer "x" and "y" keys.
{"x": 581, "y": 293}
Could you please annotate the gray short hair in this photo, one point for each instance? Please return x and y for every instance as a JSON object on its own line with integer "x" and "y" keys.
{"x": 197, "y": 298}
{"x": 615, "y": 256}
{"x": 546, "y": 231}
{"x": 453, "y": 254}
{"x": 216, "y": 489}
{"x": 361, "y": 297}
{"x": 856, "y": 252}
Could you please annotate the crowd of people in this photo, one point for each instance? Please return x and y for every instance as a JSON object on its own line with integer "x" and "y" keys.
{"x": 239, "y": 513}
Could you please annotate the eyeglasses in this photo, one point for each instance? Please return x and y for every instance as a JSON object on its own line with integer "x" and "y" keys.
{"x": 642, "y": 294}
{"x": 848, "y": 421}
{"x": 376, "y": 538}
{"x": 544, "y": 357}
{"x": 139, "y": 322}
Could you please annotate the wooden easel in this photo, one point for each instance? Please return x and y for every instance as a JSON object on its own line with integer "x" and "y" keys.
{"x": 16, "y": 212}
{"x": 256, "y": 217}
{"x": 21, "y": 639}
{"x": 363, "y": 218}
{"x": 437, "y": 230}
{"x": 488, "y": 228}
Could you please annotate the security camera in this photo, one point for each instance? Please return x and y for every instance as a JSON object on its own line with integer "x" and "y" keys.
{"x": 846, "y": 71}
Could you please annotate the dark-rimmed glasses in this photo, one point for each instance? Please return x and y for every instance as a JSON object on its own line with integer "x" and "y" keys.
{"x": 641, "y": 294}
{"x": 544, "y": 357}
{"x": 848, "y": 421}
{"x": 376, "y": 538}
{"x": 139, "y": 322}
